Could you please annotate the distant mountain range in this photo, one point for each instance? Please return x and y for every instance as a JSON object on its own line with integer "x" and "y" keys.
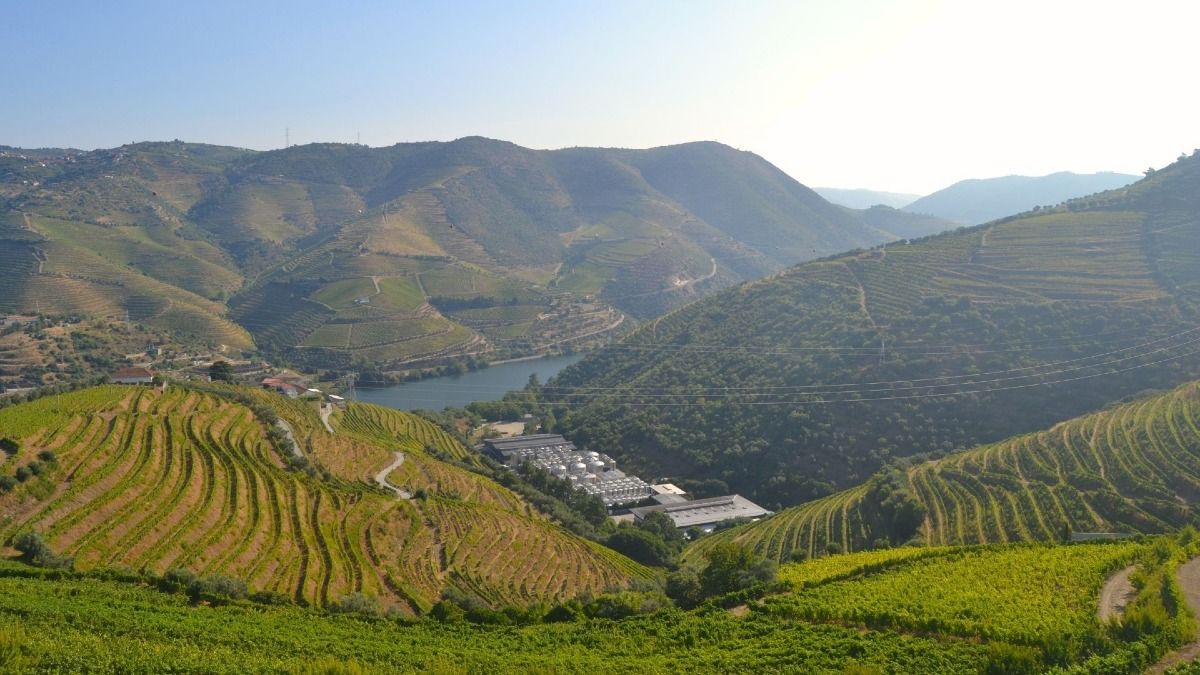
{"x": 412, "y": 254}
{"x": 980, "y": 200}
{"x": 865, "y": 199}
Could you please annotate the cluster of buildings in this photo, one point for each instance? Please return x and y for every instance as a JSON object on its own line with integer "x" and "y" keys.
{"x": 629, "y": 498}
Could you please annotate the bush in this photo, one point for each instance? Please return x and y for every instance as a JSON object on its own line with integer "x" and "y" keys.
{"x": 8, "y": 446}
{"x": 217, "y": 588}
{"x": 357, "y": 603}
{"x": 7, "y": 483}
{"x": 23, "y": 474}
{"x": 47, "y": 456}
{"x": 35, "y": 551}
{"x": 734, "y": 568}
{"x": 177, "y": 579}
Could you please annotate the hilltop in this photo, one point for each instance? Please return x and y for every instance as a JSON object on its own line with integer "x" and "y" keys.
{"x": 791, "y": 387}
{"x": 401, "y": 256}
{"x": 202, "y": 480}
{"x": 979, "y": 200}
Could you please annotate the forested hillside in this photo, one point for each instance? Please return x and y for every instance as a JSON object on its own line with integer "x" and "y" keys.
{"x": 1131, "y": 468}
{"x": 418, "y": 252}
{"x": 203, "y": 481}
{"x": 811, "y": 380}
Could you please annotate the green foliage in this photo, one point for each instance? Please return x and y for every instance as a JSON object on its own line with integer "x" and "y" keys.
{"x": 778, "y": 387}
{"x": 14, "y": 649}
{"x": 731, "y": 568}
{"x": 1118, "y": 470}
{"x": 35, "y": 551}
{"x": 220, "y": 371}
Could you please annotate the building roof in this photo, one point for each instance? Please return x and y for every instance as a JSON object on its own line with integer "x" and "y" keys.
{"x": 668, "y": 489}
{"x": 522, "y": 442}
{"x": 130, "y": 372}
{"x": 702, "y": 512}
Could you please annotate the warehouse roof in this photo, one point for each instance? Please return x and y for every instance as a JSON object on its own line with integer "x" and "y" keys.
{"x": 701, "y": 512}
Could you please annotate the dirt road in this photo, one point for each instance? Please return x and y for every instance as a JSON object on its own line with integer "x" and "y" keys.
{"x": 381, "y": 477}
{"x": 1188, "y": 577}
{"x": 1117, "y": 593}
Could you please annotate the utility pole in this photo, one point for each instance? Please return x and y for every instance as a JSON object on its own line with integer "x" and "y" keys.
{"x": 287, "y": 137}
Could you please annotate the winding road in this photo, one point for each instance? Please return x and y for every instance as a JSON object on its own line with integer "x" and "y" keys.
{"x": 1188, "y": 576}
{"x": 1115, "y": 595}
{"x": 381, "y": 477}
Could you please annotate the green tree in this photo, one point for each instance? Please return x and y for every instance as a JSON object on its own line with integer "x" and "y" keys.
{"x": 220, "y": 371}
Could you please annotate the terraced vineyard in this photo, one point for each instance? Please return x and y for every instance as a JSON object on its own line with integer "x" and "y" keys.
{"x": 997, "y": 609}
{"x": 1132, "y": 468}
{"x": 807, "y": 382}
{"x": 151, "y": 480}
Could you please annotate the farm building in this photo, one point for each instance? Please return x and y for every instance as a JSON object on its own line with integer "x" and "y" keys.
{"x": 592, "y": 472}
{"x": 704, "y": 513}
{"x": 133, "y": 375}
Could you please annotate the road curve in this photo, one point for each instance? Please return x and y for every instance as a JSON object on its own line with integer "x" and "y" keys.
{"x": 1188, "y": 576}
{"x": 381, "y": 477}
{"x": 1115, "y": 595}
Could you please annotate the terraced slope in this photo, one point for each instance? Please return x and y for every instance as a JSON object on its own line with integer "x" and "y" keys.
{"x": 789, "y": 388}
{"x": 152, "y": 480}
{"x": 333, "y": 254}
{"x": 1131, "y": 468}
{"x": 1023, "y": 608}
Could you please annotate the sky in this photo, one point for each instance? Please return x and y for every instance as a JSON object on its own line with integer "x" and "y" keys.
{"x": 900, "y": 96}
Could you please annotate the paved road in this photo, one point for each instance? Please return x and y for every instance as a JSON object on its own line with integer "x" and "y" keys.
{"x": 381, "y": 477}
{"x": 1116, "y": 594}
{"x": 326, "y": 410}
{"x": 1188, "y": 577}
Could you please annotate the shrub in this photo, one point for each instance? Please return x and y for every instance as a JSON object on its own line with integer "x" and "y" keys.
{"x": 8, "y": 446}
{"x": 217, "y": 588}
{"x": 7, "y": 483}
{"x": 47, "y": 456}
{"x": 357, "y": 603}
{"x": 23, "y": 474}
{"x": 177, "y": 579}
{"x": 35, "y": 551}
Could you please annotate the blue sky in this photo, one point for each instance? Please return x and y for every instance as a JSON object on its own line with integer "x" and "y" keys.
{"x": 906, "y": 96}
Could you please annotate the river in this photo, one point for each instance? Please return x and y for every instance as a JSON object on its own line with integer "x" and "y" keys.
{"x": 455, "y": 391}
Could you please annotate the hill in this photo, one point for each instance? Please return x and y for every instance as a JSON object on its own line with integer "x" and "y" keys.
{"x": 902, "y": 224}
{"x": 1130, "y": 468}
{"x": 1002, "y": 609}
{"x": 859, "y": 198}
{"x": 399, "y": 256}
{"x": 790, "y": 387}
{"x": 135, "y": 478}
{"x": 979, "y": 200}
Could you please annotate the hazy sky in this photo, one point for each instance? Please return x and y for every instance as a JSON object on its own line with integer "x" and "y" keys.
{"x": 904, "y": 96}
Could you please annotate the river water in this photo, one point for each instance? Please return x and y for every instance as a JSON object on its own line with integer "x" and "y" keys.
{"x": 488, "y": 384}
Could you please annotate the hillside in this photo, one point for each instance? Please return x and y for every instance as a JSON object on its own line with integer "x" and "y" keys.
{"x": 130, "y": 477}
{"x": 788, "y": 388}
{"x": 859, "y": 198}
{"x": 1003, "y": 609}
{"x": 399, "y": 256}
{"x": 979, "y": 200}
{"x": 902, "y": 224}
{"x": 1130, "y": 468}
